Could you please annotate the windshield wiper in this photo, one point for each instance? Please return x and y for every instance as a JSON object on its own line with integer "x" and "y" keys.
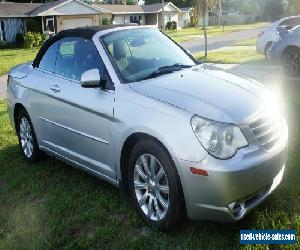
{"x": 166, "y": 70}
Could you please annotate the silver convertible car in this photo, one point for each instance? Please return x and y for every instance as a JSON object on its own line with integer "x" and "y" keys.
{"x": 129, "y": 105}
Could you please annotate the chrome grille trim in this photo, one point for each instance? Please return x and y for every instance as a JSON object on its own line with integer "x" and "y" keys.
{"x": 266, "y": 130}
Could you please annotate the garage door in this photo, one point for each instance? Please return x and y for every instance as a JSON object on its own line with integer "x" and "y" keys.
{"x": 76, "y": 22}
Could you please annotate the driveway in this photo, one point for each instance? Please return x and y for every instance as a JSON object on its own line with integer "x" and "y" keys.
{"x": 221, "y": 41}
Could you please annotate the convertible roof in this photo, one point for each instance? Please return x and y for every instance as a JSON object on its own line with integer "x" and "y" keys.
{"x": 84, "y": 32}
{"x": 89, "y": 31}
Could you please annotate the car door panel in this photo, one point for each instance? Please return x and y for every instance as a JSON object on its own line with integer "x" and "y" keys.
{"x": 82, "y": 132}
{"x": 83, "y": 122}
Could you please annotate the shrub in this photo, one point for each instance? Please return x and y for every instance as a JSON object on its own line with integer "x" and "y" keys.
{"x": 19, "y": 39}
{"x": 34, "y": 39}
{"x": 168, "y": 25}
{"x": 193, "y": 21}
{"x": 174, "y": 25}
{"x": 105, "y": 21}
{"x": 33, "y": 25}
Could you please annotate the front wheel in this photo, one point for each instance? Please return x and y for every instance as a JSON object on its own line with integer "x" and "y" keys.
{"x": 154, "y": 185}
{"x": 27, "y": 139}
{"x": 291, "y": 62}
{"x": 267, "y": 51}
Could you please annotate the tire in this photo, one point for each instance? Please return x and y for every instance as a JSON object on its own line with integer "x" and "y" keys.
{"x": 267, "y": 50}
{"x": 291, "y": 62}
{"x": 26, "y": 135}
{"x": 163, "y": 193}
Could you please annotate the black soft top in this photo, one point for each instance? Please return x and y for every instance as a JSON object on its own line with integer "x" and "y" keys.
{"x": 84, "y": 32}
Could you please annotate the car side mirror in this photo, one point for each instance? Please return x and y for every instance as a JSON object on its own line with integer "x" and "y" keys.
{"x": 90, "y": 79}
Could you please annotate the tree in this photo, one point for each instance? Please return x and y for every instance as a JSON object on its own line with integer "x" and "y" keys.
{"x": 274, "y": 9}
{"x": 220, "y": 11}
{"x": 200, "y": 10}
{"x": 294, "y": 7}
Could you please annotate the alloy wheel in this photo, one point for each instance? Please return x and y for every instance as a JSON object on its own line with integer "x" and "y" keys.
{"x": 26, "y": 137}
{"x": 293, "y": 63}
{"x": 151, "y": 187}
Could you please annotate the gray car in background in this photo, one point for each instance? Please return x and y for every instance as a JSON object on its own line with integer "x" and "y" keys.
{"x": 130, "y": 106}
{"x": 286, "y": 50}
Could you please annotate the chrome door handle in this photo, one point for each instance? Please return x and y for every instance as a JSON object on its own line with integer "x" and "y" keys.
{"x": 55, "y": 88}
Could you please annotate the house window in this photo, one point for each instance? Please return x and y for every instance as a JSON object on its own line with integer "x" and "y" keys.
{"x": 50, "y": 25}
{"x": 2, "y": 31}
{"x": 135, "y": 19}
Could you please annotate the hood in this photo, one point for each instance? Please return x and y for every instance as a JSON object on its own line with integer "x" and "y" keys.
{"x": 211, "y": 94}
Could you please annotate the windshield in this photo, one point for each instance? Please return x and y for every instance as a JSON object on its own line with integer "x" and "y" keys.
{"x": 140, "y": 54}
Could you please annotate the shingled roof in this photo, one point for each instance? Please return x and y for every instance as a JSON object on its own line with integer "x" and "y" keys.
{"x": 51, "y": 5}
{"x": 9, "y": 9}
{"x": 123, "y": 9}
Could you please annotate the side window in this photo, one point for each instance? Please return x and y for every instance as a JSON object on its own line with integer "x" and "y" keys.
{"x": 75, "y": 56}
{"x": 49, "y": 58}
{"x": 291, "y": 22}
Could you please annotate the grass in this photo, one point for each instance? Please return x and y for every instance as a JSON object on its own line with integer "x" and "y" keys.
{"x": 51, "y": 205}
{"x": 237, "y": 53}
{"x": 248, "y": 42}
{"x": 232, "y": 56}
{"x": 189, "y": 34}
{"x": 12, "y": 57}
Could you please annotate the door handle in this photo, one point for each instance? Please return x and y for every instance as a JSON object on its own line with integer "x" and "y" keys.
{"x": 55, "y": 88}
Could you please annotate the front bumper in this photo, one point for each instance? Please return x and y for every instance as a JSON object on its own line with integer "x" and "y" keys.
{"x": 233, "y": 187}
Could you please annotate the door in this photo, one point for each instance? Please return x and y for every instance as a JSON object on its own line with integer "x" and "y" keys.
{"x": 76, "y": 22}
{"x": 41, "y": 96}
{"x": 84, "y": 123}
{"x": 2, "y": 31}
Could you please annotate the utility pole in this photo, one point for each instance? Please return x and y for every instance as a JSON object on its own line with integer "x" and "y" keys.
{"x": 163, "y": 15}
{"x": 220, "y": 11}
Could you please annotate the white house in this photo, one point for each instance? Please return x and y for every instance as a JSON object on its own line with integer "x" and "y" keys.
{"x": 149, "y": 14}
{"x": 66, "y": 14}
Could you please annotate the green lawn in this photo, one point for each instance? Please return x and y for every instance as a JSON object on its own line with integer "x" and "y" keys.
{"x": 52, "y": 205}
{"x": 233, "y": 55}
{"x": 12, "y": 57}
{"x": 239, "y": 52}
{"x": 189, "y": 34}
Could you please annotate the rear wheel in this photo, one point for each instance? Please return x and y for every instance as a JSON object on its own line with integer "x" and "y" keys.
{"x": 291, "y": 62}
{"x": 154, "y": 185}
{"x": 268, "y": 51}
{"x": 27, "y": 140}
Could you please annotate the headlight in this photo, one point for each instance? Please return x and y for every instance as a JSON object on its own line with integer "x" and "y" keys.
{"x": 219, "y": 139}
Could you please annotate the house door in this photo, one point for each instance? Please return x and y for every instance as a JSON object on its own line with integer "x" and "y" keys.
{"x": 2, "y": 31}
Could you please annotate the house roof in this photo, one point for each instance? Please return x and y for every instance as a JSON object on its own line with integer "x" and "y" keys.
{"x": 10, "y": 9}
{"x": 52, "y": 5}
{"x": 124, "y": 9}
{"x": 120, "y": 8}
{"x": 186, "y": 9}
{"x": 155, "y": 7}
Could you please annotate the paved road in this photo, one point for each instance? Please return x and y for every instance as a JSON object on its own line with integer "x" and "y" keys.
{"x": 221, "y": 41}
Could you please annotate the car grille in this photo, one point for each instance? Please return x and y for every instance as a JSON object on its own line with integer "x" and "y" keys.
{"x": 267, "y": 130}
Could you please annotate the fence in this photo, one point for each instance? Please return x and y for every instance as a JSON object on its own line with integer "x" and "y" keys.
{"x": 231, "y": 20}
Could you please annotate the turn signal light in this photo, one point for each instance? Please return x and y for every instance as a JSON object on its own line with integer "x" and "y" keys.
{"x": 198, "y": 171}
